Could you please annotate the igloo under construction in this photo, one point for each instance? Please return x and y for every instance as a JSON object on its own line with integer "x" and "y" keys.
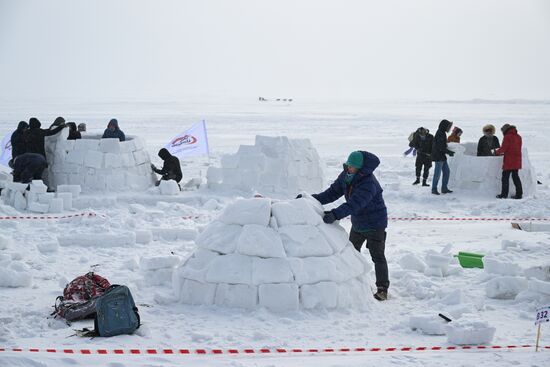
{"x": 98, "y": 164}
{"x": 274, "y": 254}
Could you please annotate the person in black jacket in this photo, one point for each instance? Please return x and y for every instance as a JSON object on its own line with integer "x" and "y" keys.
{"x": 18, "y": 140}
{"x": 171, "y": 169}
{"x": 422, "y": 142}
{"x": 488, "y": 142}
{"x": 74, "y": 134}
{"x": 439, "y": 156}
{"x": 36, "y": 135}
{"x": 28, "y": 167}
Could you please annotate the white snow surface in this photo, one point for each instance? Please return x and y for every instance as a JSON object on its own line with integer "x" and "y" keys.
{"x": 132, "y": 225}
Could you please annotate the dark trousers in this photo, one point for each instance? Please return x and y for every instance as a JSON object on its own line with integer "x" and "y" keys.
{"x": 423, "y": 160}
{"x": 506, "y": 182}
{"x": 376, "y": 243}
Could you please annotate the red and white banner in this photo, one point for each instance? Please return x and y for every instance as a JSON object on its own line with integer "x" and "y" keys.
{"x": 191, "y": 142}
{"x": 5, "y": 150}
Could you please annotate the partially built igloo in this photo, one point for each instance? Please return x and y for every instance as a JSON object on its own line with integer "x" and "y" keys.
{"x": 98, "y": 164}
{"x": 274, "y": 254}
{"x": 273, "y": 165}
{"x": 483, "y": 174}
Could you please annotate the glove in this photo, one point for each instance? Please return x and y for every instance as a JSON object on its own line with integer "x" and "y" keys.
{"x": 299, "y": 196}
{"x": 451, "y": 154}
{"x": 329, "y": 217}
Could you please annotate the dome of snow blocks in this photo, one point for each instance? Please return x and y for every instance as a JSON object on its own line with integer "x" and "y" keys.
{"x": 483, "y": 174}
{"x": 278, "y": 255}
{"x": 273, "y": 165}
{"x": 98, "y": 165}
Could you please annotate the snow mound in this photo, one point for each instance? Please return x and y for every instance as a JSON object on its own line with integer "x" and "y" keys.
{"x": 272, "y": 165}
{"x": 483, "y": 174}
{"x": 505, "y": 287}
{"x": 14, "y": 274}
{"x": 429, "y": 324}
{"x": 283, "y": 258}
{"x": 469, "y": 330}
{"x": 98, "y": 165}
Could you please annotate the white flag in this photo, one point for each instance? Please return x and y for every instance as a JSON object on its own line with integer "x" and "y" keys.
{"x": 190, "y": 142}
{"x": 5, "y": 150}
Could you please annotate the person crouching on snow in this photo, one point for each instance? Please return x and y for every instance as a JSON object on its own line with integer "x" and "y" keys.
{"x": 171, "y": 169}
{"x": 113, "y": 131}
{"x": 422, "y": 142}
{"x": 365, "y": 204}
{"x": 511, "y": 149}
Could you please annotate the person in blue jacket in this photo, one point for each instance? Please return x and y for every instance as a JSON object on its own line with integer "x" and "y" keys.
{"x": 27, "y": 167}
{"x": 113, "y": 131}
{"x": 365, "y": 204}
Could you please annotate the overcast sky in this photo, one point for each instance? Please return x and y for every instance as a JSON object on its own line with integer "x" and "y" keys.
{"x": 432, "y": 49}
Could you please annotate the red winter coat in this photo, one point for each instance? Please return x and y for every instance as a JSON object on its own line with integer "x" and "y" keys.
{"x": 511, "y": 149}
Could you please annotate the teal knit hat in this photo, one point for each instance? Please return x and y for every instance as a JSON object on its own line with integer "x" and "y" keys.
{"x": 355, "y": 160}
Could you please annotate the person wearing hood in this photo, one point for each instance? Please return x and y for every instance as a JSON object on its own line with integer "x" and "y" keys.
{"x": 365, "y": 204}
{"x": 27, "y": 167}
{"x": 113, "y": 131}
{"x": 36, "y": 135}
{"x": 488, "y": 142}
{"x": 511, "y": 150}
{"x": 171, "y": 169}
{"x": 74, "y": 134}
{"x": 19, "y": 139}
{"x": 422, "y": 142}
{"x": 57, "y": 122}
{"x": 81, "y": 128}
{"x": 439, "y": 156}
{"x": 455, "y": 135}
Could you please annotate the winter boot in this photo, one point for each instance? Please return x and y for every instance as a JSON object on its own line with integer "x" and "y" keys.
{"x": 417, "y": 181}
{"x": 381, "y": 294}
{"x": 424, "y": 183}
{"x": 435, "y": 192}
{"x": 501, "y": 196}
{"x": 446, "y": 191}
{"x": 516, "y": 197}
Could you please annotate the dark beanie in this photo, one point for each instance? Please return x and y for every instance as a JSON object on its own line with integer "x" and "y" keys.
{"x": 164, "y": 153}
{"x": 58, "y": 121}
{"x": 505, "y": 128}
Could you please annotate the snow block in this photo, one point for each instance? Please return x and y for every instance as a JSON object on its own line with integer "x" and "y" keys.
{"x": 494, "y": 266}
{"x": 506, "y": 287}
{"x": 158, "y": 262}
{"x": 17, "y": 186}
{"x": 67, "y": 198}
{"x": 38, "y": 187}
{"x": 220, "y": 237}
{"x": 412, "y": 262}
{"x": 110, "y": 145}
{"x": 94, "y": 159}
{"x": 76, "y": 156}
{"x": 20, "y": 203}
{"x": 248, "y": 211}
{"x": 159, "y": 277}
{"x": 313, "y": 269}
{"x": 295, "y": 212}
{"x": 271, "y": 271}
{"x": 233, "y": 268}
{"x": 236, "y": 295}
{"x": 304, "y": 241}
{"x": 336, "y": 236}
{"x": 539, "y": 286}
{"x": 469, "y": 332}
{"x": 257, "y": 240}
{"x": 279, "y": 297}
{"x": 196, "y": 293}
{"x": 98, "y": 239}
{"x": 429, "y": 324}
{"x": 140, "y": 157}
{"x": 169, "y": 187}
{"x": 321, "y": 295}
{"x": 38, "y": 208}
{"x": 56, "y": 205}
{"x": 113, "y": 160}
{"x": 214, "y": 175}
{"x": 45, "y": 198}
{"x": 174, "y": 234}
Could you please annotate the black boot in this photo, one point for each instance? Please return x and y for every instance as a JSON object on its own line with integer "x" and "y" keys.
{"x": 381, "y": 294}
{"x": 417, "y": 181}
{"x": 501, "y": 196}
{"x": 424, "y": 183}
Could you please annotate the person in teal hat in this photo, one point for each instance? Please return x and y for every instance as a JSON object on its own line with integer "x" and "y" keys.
{"x": 365, "y": 204}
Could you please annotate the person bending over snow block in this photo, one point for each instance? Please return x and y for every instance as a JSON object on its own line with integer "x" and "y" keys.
{"x": 19, "y": 140}
{"x": 511, "y": 149}
{"x": 422, "y": 142}
{"x": 74, "y": 134}
{"x": 488, "y": 142}
{"x": 28, "y": 167}
{"x": 365, "y": 204}
{"x": 171, "y": 169}
{"x": 439, "y": 156}
{"x": 113, "y": 131}
{"x": 36, "y": 135}
{"x": 455, "y": 135}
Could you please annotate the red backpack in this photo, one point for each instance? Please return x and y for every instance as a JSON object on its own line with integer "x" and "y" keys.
{"x": 79, "y": 297}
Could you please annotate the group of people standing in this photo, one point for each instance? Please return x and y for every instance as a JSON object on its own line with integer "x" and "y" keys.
{"x": 431, "y": 148}
{"x": 28, "y": 153}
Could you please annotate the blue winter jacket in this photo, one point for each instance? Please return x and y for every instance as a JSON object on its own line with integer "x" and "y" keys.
{"x": 117, "y": 133}
{"x": 364, "y": 201}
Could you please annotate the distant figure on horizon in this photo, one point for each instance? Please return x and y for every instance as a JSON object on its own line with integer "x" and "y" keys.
{"x": 113, "y": 131}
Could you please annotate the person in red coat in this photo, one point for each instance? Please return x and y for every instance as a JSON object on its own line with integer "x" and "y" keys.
{"x": 511, "y": 149}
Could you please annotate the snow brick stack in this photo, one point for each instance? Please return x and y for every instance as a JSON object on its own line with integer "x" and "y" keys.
{"x": 98, "y": 164}
{"x": 272, "y": 165}
{"x": 37, "y": 199}
{"x": 469, "y": 330}
{"x": 274, "y": 254}
{"x": 158, "y": 270}
{"x": 483, "y": 174}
